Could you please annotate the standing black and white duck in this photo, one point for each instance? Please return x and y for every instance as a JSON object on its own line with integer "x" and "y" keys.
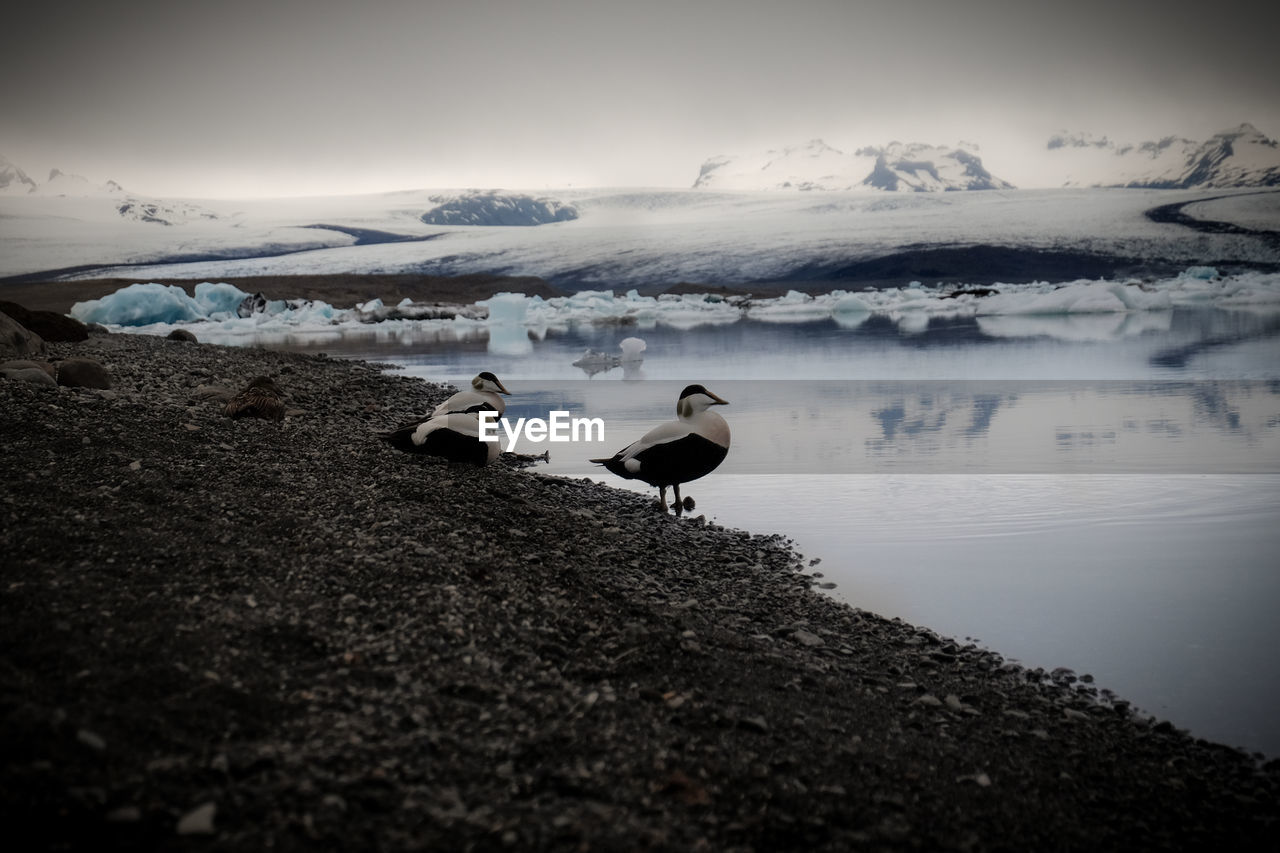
{"x": 485, "y": 393}
{"x": 678, "y": 451}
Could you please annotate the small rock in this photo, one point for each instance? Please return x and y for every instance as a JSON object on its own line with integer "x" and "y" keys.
{"x": 91, "y": 739}
{"x": 34, "y": 375}
{"x": 198, "y": 821}
{"x": 83, "y": 373}
{"x": 17, "y": 340}
{"x": 23, "y": 363}
{"x": 982, "y": 780}
{"x": 806, "y": 638}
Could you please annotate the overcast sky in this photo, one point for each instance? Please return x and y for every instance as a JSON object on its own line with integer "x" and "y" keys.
{"x": 275, "y": 97}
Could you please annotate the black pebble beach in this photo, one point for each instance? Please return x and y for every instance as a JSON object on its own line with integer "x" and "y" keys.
{"x": 235, "y": 635}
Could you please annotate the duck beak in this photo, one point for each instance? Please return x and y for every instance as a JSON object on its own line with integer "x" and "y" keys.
{"x": 502, "y": 389}
{"x": 718, "y": 400}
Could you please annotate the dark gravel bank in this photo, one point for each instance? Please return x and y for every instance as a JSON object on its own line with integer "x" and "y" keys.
{"x": 244, "y": 635}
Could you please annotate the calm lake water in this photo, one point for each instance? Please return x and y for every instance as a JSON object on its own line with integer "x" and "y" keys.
{"x": 1096, "y": 492}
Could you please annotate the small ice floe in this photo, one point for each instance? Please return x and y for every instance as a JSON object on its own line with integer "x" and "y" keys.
{"x": 632, "y": 349}
{"x": 594, "y": 361}
{"x": 376, "y": 311}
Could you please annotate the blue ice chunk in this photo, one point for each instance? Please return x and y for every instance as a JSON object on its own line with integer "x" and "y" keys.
{"x": 139, "y": 305}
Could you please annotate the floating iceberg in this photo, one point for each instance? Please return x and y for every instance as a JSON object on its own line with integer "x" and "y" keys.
{"x": 155, "y": 308}
{"x": 141, "y": 305}
{"x": 594, "y": 361}
{"x": 158, "y": 305}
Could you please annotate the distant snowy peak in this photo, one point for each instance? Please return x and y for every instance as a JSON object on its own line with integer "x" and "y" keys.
{"x": 814, "y": 165}
{"x": 14, "y": 181}
{"x": 1240, "y": 157}
{"x": 896, "y": 167}
{"x": 930, "y": 168}
{"x": 74, "y": 186}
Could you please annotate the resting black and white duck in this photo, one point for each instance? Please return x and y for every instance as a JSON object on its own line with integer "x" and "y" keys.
{"x": 485, "y": 393}
{"x": 454, "y": 436}
{"x": 678, "y": 451}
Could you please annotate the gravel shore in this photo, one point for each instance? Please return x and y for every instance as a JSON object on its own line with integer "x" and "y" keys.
{"x": 249, "y": 635}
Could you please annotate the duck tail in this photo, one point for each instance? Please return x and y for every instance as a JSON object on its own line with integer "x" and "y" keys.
{"x": 401, "y": 437}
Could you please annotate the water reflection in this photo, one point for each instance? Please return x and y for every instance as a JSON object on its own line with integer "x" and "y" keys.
{"x": 1204, "y": 344}
{"x": 945, "y": 427}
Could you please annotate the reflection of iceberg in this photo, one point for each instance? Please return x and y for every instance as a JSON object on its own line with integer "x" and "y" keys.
{"x": 1067, "y": 327}
{"x": 509, "y": 339}
{"x": 1076, "y": 327}
{"x": 912, "y": 322}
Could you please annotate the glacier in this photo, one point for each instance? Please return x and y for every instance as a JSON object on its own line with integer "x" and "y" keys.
{"x": 625, "y": 238}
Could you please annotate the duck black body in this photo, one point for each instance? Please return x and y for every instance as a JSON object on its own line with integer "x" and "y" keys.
{"x": 455, "y": 436}
{"x": 453, "y": 430}
{"x": 678, "y": 451}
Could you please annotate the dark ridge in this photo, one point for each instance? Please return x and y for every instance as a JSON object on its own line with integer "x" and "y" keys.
{"x": 1178, "y": 357}
{"x": 1173, "y": 214}
{"x": 981, "y": 264}
{"x": 372, "y": 236}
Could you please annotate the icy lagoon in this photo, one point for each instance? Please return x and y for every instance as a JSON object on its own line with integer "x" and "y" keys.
{"x": 1083, "y": 476}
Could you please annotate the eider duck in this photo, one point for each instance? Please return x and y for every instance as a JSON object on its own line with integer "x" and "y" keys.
{"x": 261, "y": 399}
{"x": 484, "y": 394}
{"x": 678, "y": 451}
{"x": 454, "y": 436}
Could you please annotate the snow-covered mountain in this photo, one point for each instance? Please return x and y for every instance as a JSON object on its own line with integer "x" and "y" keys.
{"x": 1240, "y": 157}
{"x": 129, "y": 206}
{"x": 61, "y": 183}
{"x": 13, "y": 181}
{"x": 814, "y": 165}
{"x": 930, "y": 168}
{"x": 896, "y": 167}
